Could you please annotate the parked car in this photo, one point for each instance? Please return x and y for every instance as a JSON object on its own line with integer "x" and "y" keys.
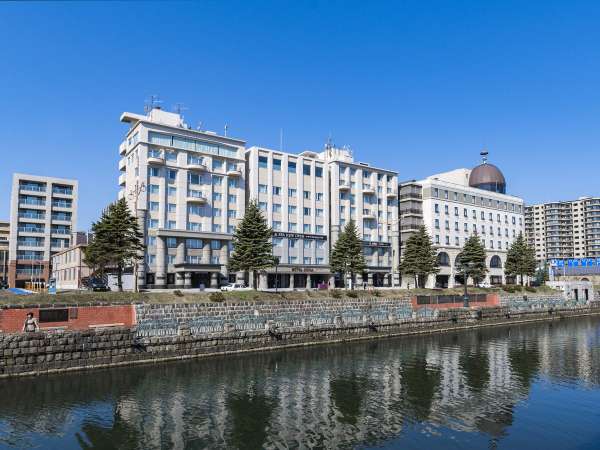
{"x": 98, "y": 286}
{"x": 234, "y": 287}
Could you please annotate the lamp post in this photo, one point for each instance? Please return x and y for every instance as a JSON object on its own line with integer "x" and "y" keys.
{"x": 134, "y": 195}
{"x": 276, "y": 261}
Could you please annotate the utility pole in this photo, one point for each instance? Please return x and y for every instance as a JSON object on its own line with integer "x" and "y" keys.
{"x": 134, "y": 195}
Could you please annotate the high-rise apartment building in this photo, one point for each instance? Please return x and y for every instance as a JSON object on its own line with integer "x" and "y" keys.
{"x": 43, "y": 217}
{"x": 187, "y": 188}
{"x": 563, "y": 230}
{"x": 368, "y": 196}
{"x": 4, "y": 238}
{"x": 308, "y": 198}
{"x": 292, "y": 192}
{"x": 455, "y": 205}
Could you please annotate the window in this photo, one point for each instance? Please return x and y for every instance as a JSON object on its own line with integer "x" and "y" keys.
{"x": 320, "y": 260}
{"x": 292, "y": 259}
{"x": 153, "y": 172}
{"x": 455, "y": 226}
{"x": 277, "y": 225}
{"x": 231, "y": 213}
{"x": 307, "y": 243}
{"x": 151, "y": 259}
{"x": 513, "y": 220}
{"x": 170, "y": 259}
{"x": 307, "y": 211}
{"x": 436, "y": 192}
{"x": 216, "y": 228}
{"x": 172, "y": 207}
{"x": 490, "y": 217}
{"x": 171, "y": 174}
{"x": 456, "y": 211}
{"x": 447, "y": 225}
{"x": 193, "y": 259}
{"x": 172, "y": 191}
{"x": 193, "y": 226}
{"x": 292, "y": 243}
{"x": 292, "y": 226}
{"x": 276, "y": 207}
{"x": 230, "y": 230}
{"x": 231, "y": 166}
{"x": 445, "y": 209}
{"x": 216, "y": 212}
{"x": 457, "y": 241}
{"x": 320, "y": 244}
{"x": 262, "y": 162}
{"x": 465, "y": 212}
{"x": 291, "y": 192}
{"x": 436, "y": 208}
{"x": 307, "y": 195}
{"x": 306, "y": 169}
{"x": 319, "y": 196}
{"x": 171, "y": 224}
{"x": 215, "y": 245}
{"x": 277, "y": 242}
{"x": 276, "y": 164}
{"x": 474, "y": 214}
{"x": 262, "y": 206}
{"x": 482, "y": 215}
{"x": 291, "y": 167}
{"x": 307, "y": 260}
{"x": 217, "y": 180}
{"x": 319, "y": 229}
{"x": 153, "y": 223}
{"x": 447, "y": 240}
{"x": 214, "y": 259}
{"x": 217, "y": 164}
{"x": 194, "y": 209}
{"x": 153, "y": 189}
{"x": 232, "y": 198}
{"x": 151, "y": 241}
{"x": 291, "y": 209}
{"x": 193, "y": 178}
{"x": 153, "y": 206}
{"x": 232, "y": 182}
{"x": 306, "y": 228}
{"x": 318, "y": 172}
{"x": 437, "y": 238}
{"x": 262, "y": 188}
{"x": 466, "y": 227}
{"x": 437, "y": 224}
{"x": 276, "y": 190}
{"x": 319, "y": 212}
{"x": 446, "y": 195}
{"x": 171, "y": 242}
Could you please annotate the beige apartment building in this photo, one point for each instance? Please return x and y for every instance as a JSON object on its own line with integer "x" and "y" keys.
{"x": 564, "y": 230}
{"x": 4, "y": 256}
{"x": 187, "y": 188}
{"x": 43, "y": 217}
{"x": 292, "y": 192}
{"x": 69, "y": 268}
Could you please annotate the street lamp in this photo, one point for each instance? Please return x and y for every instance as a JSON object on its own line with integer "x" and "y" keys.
{"x": 276, "y": 261}
{"x": 466, "y": 270}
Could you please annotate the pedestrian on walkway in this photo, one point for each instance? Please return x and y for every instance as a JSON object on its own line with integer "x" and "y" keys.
{"x": 31, "y": 324}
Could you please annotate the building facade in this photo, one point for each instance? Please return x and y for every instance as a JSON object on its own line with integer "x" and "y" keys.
{"x": 69, "y": 268}
{"x": 187, "y": 188}
{"x": 4, "y": 255}
{"x": 368, "y": 196}
{"x": 43, "y": 217}
{"x": 455, "y": 205}
{"x": 564, "y": 230}
{"x": 292, "y": 192}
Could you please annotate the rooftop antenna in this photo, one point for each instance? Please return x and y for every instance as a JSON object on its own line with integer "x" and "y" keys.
{"x": 153, "y": 102}
{"x": 179, "y": 108}
{"x": 484, "y": 155}
{"x": 226, "y": 127}
{"x": 281, "y": 139}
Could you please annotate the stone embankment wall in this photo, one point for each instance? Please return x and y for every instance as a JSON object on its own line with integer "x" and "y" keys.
{"x": 45, "y": 352}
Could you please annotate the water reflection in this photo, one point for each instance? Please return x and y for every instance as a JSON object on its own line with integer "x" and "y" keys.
{"x": 323, "y": 397}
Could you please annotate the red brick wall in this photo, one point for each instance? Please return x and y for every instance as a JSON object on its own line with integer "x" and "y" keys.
{"x": 11, "y": 320}
{"x": 491, "y": 300}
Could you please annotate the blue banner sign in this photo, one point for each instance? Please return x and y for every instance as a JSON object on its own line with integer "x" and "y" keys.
{"x": 575, "y": 262}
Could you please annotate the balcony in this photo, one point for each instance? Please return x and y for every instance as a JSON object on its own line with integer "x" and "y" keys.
{"x": 33, "y": 188}
{"x": 158, "y": 160}
{"x": 200, "y": 199}
{"x": 122, "y": 179}
{"x": 368, "y": 190}
{"x": 64, "y": 205}
{"x": 344, "y": 186}
{"x": 61, "y": 231}
{"x": 370, "y": 215}
{"x": 123, "y": 148}
{"x": 34, "y": 216}
{"x": 411, "y": 195}
{"x": 196, "y": 165}
{"x": 29, "y": 202}
{"x": 30, "y": 229}
{"x": 234, "y": 173}
{"x": 62, "y": 191}
{"x": 392, "y": 194}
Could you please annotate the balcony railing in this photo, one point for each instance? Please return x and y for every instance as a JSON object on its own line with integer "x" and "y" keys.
{"x": 57, "y": 204}
{"x": 61, "y": 217}
{"x": 31, "y": 229}
{"x": 28, "y": 215}
{"x": 29, "y": 271}
{"x": 64, "y": 191}
{"x": 31, "y": 201}
{"x": 60, "y": 231}
{"x": 32, "y": 187}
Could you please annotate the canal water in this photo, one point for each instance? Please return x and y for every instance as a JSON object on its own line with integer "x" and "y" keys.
{"x": 518, "y": 387}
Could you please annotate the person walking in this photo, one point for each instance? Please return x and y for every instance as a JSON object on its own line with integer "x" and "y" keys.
{"x": 31, "y": 324}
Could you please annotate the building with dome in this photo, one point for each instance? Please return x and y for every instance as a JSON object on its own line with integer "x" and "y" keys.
{"x": 453, "y": 206}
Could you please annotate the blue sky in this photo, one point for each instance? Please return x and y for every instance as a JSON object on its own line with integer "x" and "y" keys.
{"x": 419, "y": 87}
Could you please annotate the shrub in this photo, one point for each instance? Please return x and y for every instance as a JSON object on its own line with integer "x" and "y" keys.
{"x": 376, "y": 293}
{"x": 352, "y": 294}
{"x": 335, "y": 293}
{"x": 178, "y": 293}
{"x": 216, "y": 297}
{"x": 530, "y": 289}
{"x": 509, "y": 289}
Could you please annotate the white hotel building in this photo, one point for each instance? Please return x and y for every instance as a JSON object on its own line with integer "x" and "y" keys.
{"x": 308, "y": 198}
{"x": 187, "y": 188}
{"x": 455, "y": 205}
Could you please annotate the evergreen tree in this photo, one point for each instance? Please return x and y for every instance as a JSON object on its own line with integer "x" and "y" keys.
{"x": 117, "y": 240}
{"x": 541, "y": 275}
{"x": 252, "y": 248}
{"x": 420, "y": 258}
{"x": 472, "y": 260}
{"x": 520, "y": 259}
{"x": 347, "y": 253}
